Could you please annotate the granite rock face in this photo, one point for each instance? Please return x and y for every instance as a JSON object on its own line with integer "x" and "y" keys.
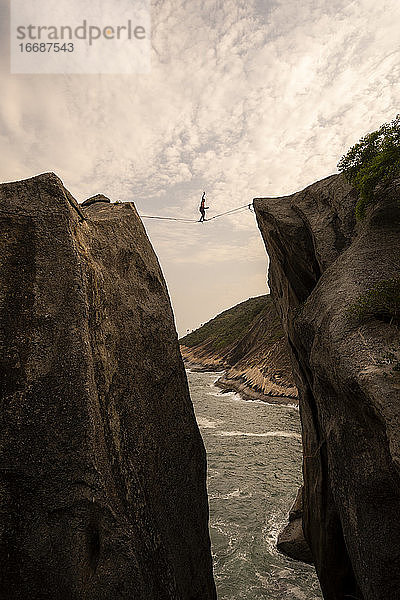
{"x": 291, "y": 540}
{"x": 347, "y": 373}
{"x": 102, "y": 467}
{"x": 94, "y": 199}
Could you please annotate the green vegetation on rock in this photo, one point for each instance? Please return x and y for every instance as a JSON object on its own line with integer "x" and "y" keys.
{"x": 375, "y": 159}
{"x": 229, "y": 326}
{"x": 382, "y": 301}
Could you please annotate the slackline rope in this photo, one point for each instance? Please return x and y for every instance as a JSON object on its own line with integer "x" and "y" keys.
{"x": 228, "y": 212}
{"x": 168, "y": 218}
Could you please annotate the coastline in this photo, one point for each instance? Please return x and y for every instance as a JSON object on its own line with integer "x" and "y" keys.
{"x": 229, "y": 381}
{"x": 242, "y": 387}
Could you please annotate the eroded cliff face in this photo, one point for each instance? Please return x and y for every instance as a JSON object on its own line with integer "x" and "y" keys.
{"x": 349, "y": 389}
{"x": 257, "y": 364}
{"x": 102, "y": 467}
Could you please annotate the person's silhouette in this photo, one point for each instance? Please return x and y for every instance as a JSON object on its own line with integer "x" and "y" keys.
{"x": 203, "y": 208}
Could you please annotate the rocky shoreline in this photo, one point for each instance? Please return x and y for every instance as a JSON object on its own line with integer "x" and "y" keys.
{"x": 244, "y": 388}
{"x": 247, "y": 342}
{"x": 241, "y": 383}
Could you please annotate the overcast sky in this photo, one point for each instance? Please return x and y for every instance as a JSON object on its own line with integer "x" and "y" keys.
{"x": 244, "y": 99}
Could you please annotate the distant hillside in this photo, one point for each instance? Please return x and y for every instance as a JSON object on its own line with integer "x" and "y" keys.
{"x": 247, "y": 341}
{"x": 227, "y": 327}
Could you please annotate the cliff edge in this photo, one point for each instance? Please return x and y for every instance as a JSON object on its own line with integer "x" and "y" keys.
{"x": 345, "y": 349}
{"x": 102, "y": 467}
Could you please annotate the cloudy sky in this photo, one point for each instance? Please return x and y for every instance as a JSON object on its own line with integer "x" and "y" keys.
{"x": 243, "y": 99}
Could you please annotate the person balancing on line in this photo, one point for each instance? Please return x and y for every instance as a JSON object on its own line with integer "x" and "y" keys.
{"x": 203, "y": 208}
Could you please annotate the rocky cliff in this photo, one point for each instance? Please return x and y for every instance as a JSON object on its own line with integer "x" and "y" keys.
{"x": 246, "y": 341}
{"x": 291, "y": 540}
{"x": 330, "y": 280}
{"x": 102, "y": 467}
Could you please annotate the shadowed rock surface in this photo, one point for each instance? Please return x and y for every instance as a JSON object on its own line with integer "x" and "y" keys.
{"x": 94, "y": 199}
{"x": 256, "y": 359}
{"x": 102, "y": 467}
{"x": 291, "y": 540}
{"x": 348, "y": 378}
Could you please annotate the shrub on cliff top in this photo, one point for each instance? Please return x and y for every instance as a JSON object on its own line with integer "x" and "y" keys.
{"x": 375, "y": 159}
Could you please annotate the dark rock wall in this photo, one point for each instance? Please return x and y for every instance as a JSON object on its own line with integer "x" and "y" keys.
{"x": 291, "y": 540}
{"x": 349, "y": 392}
{"x": 102, "y": 467}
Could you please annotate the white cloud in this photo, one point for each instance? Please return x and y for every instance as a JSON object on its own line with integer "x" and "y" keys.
{"x": 244, "y": 99}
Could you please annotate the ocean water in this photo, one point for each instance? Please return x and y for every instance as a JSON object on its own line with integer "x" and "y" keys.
{"x": 254, "y": 471}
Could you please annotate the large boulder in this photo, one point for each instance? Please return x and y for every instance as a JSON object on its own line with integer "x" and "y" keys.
{"x": 323, "y": 266}
{"x": 102, "y": 467}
